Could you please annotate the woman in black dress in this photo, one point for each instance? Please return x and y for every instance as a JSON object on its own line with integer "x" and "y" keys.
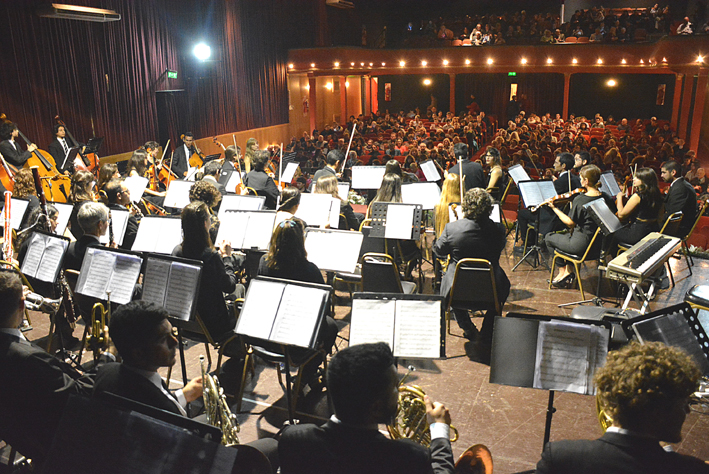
{"x": 642, "y": 209}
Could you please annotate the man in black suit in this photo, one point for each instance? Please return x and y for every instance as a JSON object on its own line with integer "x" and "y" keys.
{"x": 645, "y": 390}
{"x": 93, "y": 219}
{"x": 211, "y": 174}
{"x": 363, "y": 386}
{"x": 258, "y": 180}
{"x": 181, "y": 158}
{"x": 472, "y": 170}
{"x": 60, "y": 147}
{"x": 680, "y": 197}
{"x": 10, "y": 149}
{"x": 34, "y": 385}
{"x": 565, "y": 182}
{"x": 118, "y": 196}
{"x": 334, "y": 158}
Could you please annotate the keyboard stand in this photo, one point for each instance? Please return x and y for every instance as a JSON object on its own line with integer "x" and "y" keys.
{"x": 636, "y": 292}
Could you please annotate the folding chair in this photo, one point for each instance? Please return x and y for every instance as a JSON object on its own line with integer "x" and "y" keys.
{"x": 576, "y": 260}
{"x": 381, "y": 275}
{"x": 473, "y": 288}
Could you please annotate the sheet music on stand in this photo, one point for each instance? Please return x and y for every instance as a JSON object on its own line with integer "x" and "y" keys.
{"x": 230, "y": 179}
{"x": 677, "y": 326}
{"x": 333, "y": 250}
{"x": 111, "y": 270}
{"x": 518, "y": 174}
{"x": 343, "y": 189}
{"x": 603, "y": 216}
{"x": 44, "y": 256}
{"x": 427, "y": 194}
{"x": 119, "y": 221}
{"x": 178, "y": 194}
{"x": 289, "y": 172}
{"x": 136, "y": 187}
{"x": 64, "y": 216}
{"x": 18, "y": 209}
{"x": 319, "y": 210}
{"x": 158, "y": 234}
{"x": 412, "y": 325}
{"x": 240, "y": 203}
{"x": 284, "y": 311}
{"x": 247, "y": 230}
{"x": 550, "y": 353}
{"x": 172, "y": 283}
{"x": 396, "y": 220}
{"x": 430, "y": 171}
{"x": 608, "y": 184}
{"x": 536, "y": 192}
{"x": 69, "y": 157}
{"x": 367, "y": 177}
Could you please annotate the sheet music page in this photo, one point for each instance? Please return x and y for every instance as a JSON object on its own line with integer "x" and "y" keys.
{"x": 609, "y": 184}
{"x": 343, "y": 189}
{"x": 64, "y": 215}
{"x": 124, "y": 277}
{"x": 518, "y": 173}
{"x": 232, "y": 228}
{"x": 426, "y": 194}
{"x": 430, "y": 171}
{"x": 496, "y": 214}
{"x": 600, "y": 337}
{"x": 297, "y": 315}
{"x": 334, "y": 213}
{"x": 181, "y": 290}
{"x": 18, "y": 207}
{"x": 372, "y": 321}
{"x": 367, "y": 177}
{"x": 334, "y": 251}
{"x": 96, "y": 271}
{"x": 157, "y": 274}
{"x": 191, "y": 172}
{"x": 234, "y": 181}
{"x": 289, "y": 172}
{"x": 240, "y": 203}
{"x": 417, "y": 329}
{"x": 258, "y": 230}
{"x": 314, "y": 209}
{"x": 136, "y": 186}
{"x": 51, "y": 259}
{"x": 169, "y": 235}
{"x": 563, "y": 357}
{"x": 33, "y": 256}
{"x": 399, "y": 222}
{"x": 260, "y": 308}
{"x": 148, "y": 232}
{"x": 178, "y": 194}
{"x": 119, "y": 220}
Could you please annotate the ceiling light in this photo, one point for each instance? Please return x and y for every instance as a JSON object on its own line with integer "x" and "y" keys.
{"x": 312, "y": 64}
{"x": 574, "y": 61}
{"x": 489, "y": 60}
{"x": 524, "y": 61}
{"x": 401, "y": 63}
{"x": 445, "y": 62}
{"x": 467, "y": 61}
{"x": 384, "y": 64}
{"x": 424, "y": 62}
{"x": 700, "y": 59}
{"x": 290, "y": 66}
{"x": 328, "y": 86}
{"x": 611, "y": 83}
{"x": 623, "y": 61}
{"x": 600, "y": 61}
{"x": 549, "y": 61}
{"x": 337, "y": 64}
{"x": 427, "y": 82}
{"x": 352, "y": 64}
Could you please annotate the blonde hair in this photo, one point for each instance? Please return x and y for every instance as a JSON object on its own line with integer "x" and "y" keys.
{"x": 450, "y": 193}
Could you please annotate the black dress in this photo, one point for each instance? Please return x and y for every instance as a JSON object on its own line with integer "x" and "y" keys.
{"x": 642, "y": 222}
{"x": 577, "y": 240}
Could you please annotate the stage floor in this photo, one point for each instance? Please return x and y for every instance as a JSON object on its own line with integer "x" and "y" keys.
{"x": 508, "y": 420}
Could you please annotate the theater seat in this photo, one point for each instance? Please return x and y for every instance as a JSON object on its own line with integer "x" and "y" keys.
{"x": 457, "y": 43}
{"x": 570, "y": 39}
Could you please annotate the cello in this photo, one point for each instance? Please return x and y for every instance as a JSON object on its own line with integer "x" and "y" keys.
{"x": 7, "y": 174}
{"x": 196, "y": 160}
{"x": 88, "y": 161}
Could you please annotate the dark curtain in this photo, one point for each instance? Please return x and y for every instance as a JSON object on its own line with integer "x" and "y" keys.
{"x": 542, "y": 93}
{"x": 491, "y": 92}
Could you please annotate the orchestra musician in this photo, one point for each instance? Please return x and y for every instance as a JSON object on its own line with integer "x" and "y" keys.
{"x": 206, "y": 192}
{"x": 181, "y": 158}
{"x": 582, "y": 226}
{"x": 211, "y": 174}
{"x": 107, "y": 172}
{"x": 231, "y": 154}
{"x": 473, "y": 175}
{"x": 138, "y": 166}
{"x": 93, "y": 219}
{"x": 332, "y": 162}
{"x": 81, "y": 193}
{"x": 118, "y": 196}
{"x": 328, "y": 185}
{"x": 251, "y": 148}
{"x": 261, "y": 182}
{"x": 290, "y": 201}
{"x": 25, "y": 189}
{"x": 389, "y": 191}
{"x": 10, "y": 148}
{"x": 495, "y": 181}
{"x": 450, "y": 193}
{"x": 641, "y": 210}
{"x": 59, "y": 147}
{"x": 680, "y": 197}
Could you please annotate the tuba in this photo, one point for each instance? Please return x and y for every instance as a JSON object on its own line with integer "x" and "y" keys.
{"x": 215, "y": 407}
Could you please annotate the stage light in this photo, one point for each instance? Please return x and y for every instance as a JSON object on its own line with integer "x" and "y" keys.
{"x": 489, "y": 60}
{"x": 371, "y": 64}
{"x": 524, "y": 61}
{"x": 328, "y": 86}
{"x": 467, "y": 61}
{"x": 312, "y": 64}
{"x": 611, "y": 83}
{"x": 642, "y": 62}
{"x": 574, "y": 61}
{"x": 384, "y": 64}
{"x": 600, "y": 61}
{"x": 202, "y": 51}
{"x": 623, "y": 61}
{"x": 700, "y": 59}
{"x": 401, "y": 63}
{"x": 427, "y": 82}
{"x": 361, "y": 64}
{"x": 424, "y": 63}
{"x": 445, "y": 62}
{"x": 337, "y": 64}
{"x": 347, "y": 83}
{"x": 352, "y": 64}
{"x": 549, "y": 61}
{"x": 291, "y": 66}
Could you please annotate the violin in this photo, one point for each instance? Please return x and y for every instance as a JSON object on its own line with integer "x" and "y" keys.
{"x": 165, "y": 174}
{"x": 87, "y": 161}
{"x": 237, "y": 158}
{"x": 560, "y": 199}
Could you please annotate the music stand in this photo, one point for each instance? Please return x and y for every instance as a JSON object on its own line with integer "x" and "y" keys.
{"x": 515, "y": 350}
{"x": 533, "y": 193}
{"x": 379, "y": 215}
{"x": 93, "y": 145}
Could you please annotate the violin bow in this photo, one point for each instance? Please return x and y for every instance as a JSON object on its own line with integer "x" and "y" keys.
{"x": 347, "y": 154}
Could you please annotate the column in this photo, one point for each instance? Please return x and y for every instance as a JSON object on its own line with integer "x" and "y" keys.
{"x": 343, "y": 100}
{"x": 367, "y": 95}
{"x": 682, "y": 131}
{"x": 676, "y": 100}
{"x": 567, "y": 84}
{"x": 452, "y": 93}
{"x": 699, "y": 100}
{"x": 312, "y": 99}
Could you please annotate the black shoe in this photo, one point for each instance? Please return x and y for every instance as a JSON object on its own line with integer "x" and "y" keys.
{"x": 566, "y": 282}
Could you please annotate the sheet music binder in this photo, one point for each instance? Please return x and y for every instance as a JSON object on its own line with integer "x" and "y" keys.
{"x": 333, "y": 250}
{"x": 515, "y": 351}
{"x": 247, "y": 230}
{"x": 367, "y": 177}
{"x": 379, "y": 219}
{"x": 518, "y": 174}
{"x": 376, "y": 318}
{"x": 18, "y": 209}
{"x": 173, "y": 283}
{"x": 240, "y": 202}
{"x": 284, "y": 311}
{"x": 113, "y": 270}
{"x": 44, "y": 256}
{"x": 158, "y": 234}
{"x": 427, "y": 194}
{"x": 676, "y": 326}
{"x": 534, "y": 193}
{"x": 608, "y": 183}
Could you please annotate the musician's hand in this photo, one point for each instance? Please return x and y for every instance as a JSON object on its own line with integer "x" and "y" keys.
{"x": 620, "y": 194}
{"x": 114, "y": 245}
{"x": 31, "y": 147}
{"x": 25, "y": 291}
{"x": 133, "y": 210}
{"x": 193, "y": 390}
{"x": 225, "y": 249}
{"x": 436, "y": 412}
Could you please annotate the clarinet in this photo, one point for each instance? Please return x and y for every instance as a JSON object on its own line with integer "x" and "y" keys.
{"x": 111, "y": 240}
{"x": 67, "y": 299}
{"x": 7, "y": 249}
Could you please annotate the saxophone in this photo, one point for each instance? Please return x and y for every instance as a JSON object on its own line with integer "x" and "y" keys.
{"x": 215, "y": 407}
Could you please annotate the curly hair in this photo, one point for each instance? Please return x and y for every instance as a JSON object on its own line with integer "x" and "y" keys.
{"x": 206, "y": 192}
{"x": 477, "y": 204}
{"x": 24, "y": 184}
{"x": 638, "y": 379}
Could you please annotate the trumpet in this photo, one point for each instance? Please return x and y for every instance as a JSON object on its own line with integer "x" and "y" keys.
{"x": 97, "y": 341}
{"x": 37, "y": 302}
{"x": 216, "y": 408}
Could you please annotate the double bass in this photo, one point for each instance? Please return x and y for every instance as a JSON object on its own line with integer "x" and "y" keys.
{"x": 87, "y": 161}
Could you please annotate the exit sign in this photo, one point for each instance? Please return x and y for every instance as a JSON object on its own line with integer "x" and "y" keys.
{"x": 511, "y": 73}
{"x": 172, "y": 74}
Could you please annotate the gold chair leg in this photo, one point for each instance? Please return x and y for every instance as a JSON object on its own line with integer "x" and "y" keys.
{"x": 553, "y": 266}
{"x": 578, "y": 279}
{"x": 247, "y": 360}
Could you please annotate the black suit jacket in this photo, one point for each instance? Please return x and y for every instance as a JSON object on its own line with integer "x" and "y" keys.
{"x": 615, "y": 453}
{"x": 561, "y": 184}
{"x": 34, "y": 387}
{"x": 117, "y": 379}
{"x": 335, "y": 448}
{"x": 681, "y": 197}
{"x": 264, "y": 186}
{"x": 57, "y": 151}
{"x": 472, "y": 172}
{"x": 14, "y": 156}
{"x": 180, "y": 162}
{"x": 74, "y": 256}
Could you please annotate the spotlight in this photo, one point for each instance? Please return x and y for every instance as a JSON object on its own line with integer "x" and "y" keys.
{"x": 642, "y": 62}
{"x": 424, "y": 62}
{"x": 700, "y": 59}
{"x": 574, "y": 61}
{"x": 467, "y": 61}
{"x": 337, "y": 64}
{"x": 371, "y": 64}
{"x": 427, "y": 82}
{"x": 401, "y": 63}
{"x": 600, "y": 61}
{"x": 611, "y": 83}
{"x": 361, "y": 64}
{"x": 384, "y": 64}
{"x": 445, "y": 62}
{"x": 352, "y": 64}
{"x": 202, "y": 51}
{"x": 623, "y": 61}
{"x": 489, "y": 60}
{"x": 549, "y": 61}
{"x": 524, "y": 61}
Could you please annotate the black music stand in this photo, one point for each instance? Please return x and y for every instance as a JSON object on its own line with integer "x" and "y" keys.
{"x": 514, "y": 347}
